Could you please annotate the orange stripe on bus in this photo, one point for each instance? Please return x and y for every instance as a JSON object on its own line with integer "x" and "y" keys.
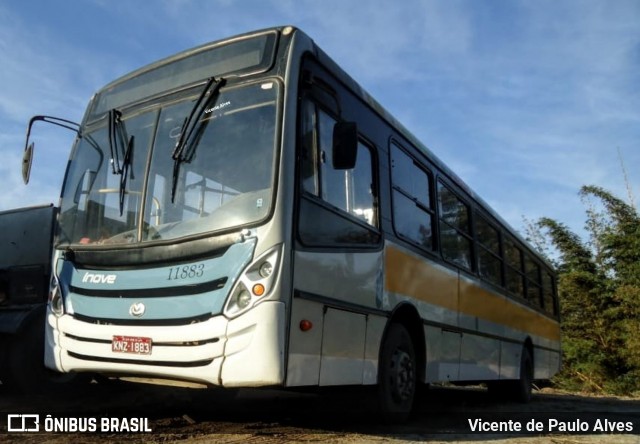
{"x": 414, "y": 277}
{"x": 418, "y": 278}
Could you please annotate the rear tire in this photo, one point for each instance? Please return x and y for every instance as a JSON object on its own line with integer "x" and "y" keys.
{"x": 522, "y": 387}
{"x": 518, "y": 390}
{"x": 397, "y": 377}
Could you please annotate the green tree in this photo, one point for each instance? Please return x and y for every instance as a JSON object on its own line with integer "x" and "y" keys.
{"x": 599, "y": 290}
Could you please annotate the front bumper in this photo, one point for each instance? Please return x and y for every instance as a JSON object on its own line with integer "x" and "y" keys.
{"x": 244, "y": 352}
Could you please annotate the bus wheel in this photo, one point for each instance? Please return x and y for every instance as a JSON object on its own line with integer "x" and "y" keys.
{"x": 522, "y": 387}
{"x": 397, "y": 375}
{"x": 518, "y": 390}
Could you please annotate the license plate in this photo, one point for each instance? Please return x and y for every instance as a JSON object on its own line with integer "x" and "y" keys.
{"x": 131, "y": 344}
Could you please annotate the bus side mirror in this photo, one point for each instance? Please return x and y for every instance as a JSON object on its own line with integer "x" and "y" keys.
{"x": 27, "y": 160}
{"x": 345, "y": 145}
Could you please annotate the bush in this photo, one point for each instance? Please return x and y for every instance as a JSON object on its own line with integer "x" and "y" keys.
{"x": 599, "y": 292}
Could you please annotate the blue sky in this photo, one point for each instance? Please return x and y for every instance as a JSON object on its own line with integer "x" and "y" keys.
{"x": 525, "y": 100}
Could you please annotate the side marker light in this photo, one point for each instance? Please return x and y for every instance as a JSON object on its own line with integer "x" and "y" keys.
{"x": 306, "y": 325}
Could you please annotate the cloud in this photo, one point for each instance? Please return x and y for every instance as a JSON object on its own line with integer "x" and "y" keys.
{"x": 381, "y": 43}
{"x": 38, "y": 72}
{"x": 52, "y": 72}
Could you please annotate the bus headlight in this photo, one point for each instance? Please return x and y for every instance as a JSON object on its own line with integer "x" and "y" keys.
{"x": 55, "y": 298}
{"x": 266, "y": 269}
{"x": 254, "y": 284}
{"x": 243, "y": 299}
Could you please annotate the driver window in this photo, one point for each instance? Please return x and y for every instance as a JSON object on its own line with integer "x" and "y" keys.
{"x": 350, "y": 191}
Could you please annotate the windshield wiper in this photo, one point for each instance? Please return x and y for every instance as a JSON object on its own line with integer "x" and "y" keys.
{"x": 119, "y": 146}
{"x": 191, "y": 132}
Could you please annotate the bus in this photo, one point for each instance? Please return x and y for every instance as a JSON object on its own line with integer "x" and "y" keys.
{"x": 244, "y": 214}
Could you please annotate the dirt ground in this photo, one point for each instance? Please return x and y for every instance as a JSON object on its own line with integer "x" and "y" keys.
{"x": 442, "y": 415}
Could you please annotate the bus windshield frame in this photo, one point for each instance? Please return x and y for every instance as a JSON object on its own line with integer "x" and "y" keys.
{"x": 240, "y": 57}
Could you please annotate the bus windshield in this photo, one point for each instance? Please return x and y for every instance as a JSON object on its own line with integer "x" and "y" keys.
{"x": 226, "y": 182}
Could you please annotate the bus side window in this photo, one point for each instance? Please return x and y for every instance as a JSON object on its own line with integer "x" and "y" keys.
{"x": 349, "y": 190}
{"x": 338, "y": 206}
{"x": 361, "y": 191}
{"x": 309, "y": 151}
{"x": 412, "y": 208}
{"x": 534, "y": 289}
{"x": 455, "y": 240}
{"x": 548, "y": 289}
{"x": 514, "y": 277}
{"x": 489, "y": 259}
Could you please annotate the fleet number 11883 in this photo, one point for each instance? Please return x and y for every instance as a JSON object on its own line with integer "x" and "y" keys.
{"x": 186, "y": 272}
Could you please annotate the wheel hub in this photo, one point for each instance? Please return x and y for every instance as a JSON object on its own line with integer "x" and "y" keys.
{"x": 402, "y": 375}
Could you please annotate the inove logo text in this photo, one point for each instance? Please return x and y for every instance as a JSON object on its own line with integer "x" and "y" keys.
{"x": 99, "y": 278}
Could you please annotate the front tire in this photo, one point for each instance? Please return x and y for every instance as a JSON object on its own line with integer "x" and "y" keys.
{"x": 397, "y": 377}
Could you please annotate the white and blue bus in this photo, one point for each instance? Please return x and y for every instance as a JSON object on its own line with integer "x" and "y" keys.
{"x": 244, "y": 214}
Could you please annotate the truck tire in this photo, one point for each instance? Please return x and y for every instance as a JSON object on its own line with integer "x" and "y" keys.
{"x": 24, "y": 358}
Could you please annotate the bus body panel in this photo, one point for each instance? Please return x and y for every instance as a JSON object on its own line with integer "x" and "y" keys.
{"x": 472, "y": 333}
{"x": 305, "y": 344}
{"x": 254, "y": 351}
{"x": 174, "y": 291}
{"x": 344, "y": 277}
{"x": 343, "y": 345}
{"x": 340, "y": 294}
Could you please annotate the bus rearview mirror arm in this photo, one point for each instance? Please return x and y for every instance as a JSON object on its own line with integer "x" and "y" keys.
{"x": 27, "y": 158}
